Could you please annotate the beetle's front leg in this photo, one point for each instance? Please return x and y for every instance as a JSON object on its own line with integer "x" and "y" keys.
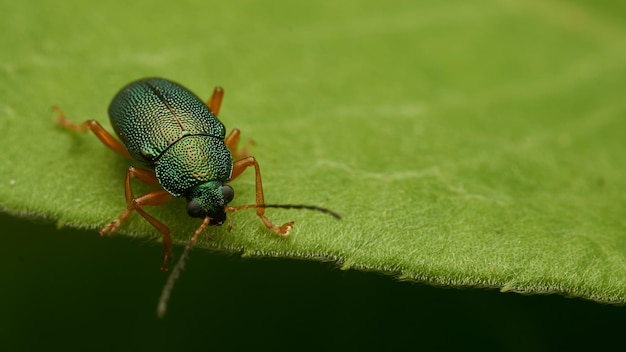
{"x": 153, "y": 198}
{"x": 238, "y": 167}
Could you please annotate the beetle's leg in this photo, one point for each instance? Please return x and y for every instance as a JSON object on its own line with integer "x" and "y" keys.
{"x": 154, "y": 198}
{"x": 232, "y": 142}
{"x": 238, "y": 167}
{"x": 105, "y": 137}
{"x": 215, "y": 101}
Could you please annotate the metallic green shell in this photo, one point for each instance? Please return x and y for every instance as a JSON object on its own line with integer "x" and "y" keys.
{"x": 151, "y": 114}
{"x": 191, "y": 161}
{"x": 169, "y": 129}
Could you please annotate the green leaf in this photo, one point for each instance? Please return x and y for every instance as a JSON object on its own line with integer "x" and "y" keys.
{"x": 464, "y": 144}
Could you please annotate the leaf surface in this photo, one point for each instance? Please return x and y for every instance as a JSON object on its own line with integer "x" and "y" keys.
{"x": 464, "y": 144}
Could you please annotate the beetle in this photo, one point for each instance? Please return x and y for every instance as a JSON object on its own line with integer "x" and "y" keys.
{"x": 184, "y": 151}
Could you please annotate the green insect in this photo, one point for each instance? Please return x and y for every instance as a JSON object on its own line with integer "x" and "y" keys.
{"x": 184, "y": 151}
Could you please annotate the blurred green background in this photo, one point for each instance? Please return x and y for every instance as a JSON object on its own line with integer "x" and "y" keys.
{"x": 74, "y": 291}
{"x": 536, "y": 63}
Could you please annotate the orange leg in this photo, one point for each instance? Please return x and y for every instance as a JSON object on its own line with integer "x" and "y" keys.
{"x": 239, "y": 167}
{"x": 232, "y": 142}
{"x": 153, "y": 198}
{"x": 215, "y": 101}
{"x": 105, "y": 137}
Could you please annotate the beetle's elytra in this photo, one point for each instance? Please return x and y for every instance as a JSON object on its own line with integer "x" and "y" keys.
{"x": 183, "y": 150}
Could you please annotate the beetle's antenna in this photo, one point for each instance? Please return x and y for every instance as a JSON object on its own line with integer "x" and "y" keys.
{"x": 180, "y": 265}
{"x": 285, "y": 206}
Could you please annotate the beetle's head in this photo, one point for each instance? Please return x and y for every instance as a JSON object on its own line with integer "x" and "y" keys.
{"x": 210, "y": 199}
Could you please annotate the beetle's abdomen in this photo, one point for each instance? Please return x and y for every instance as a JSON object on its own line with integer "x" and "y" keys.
{"x": 192, "y": 161}
{"x": 151, "y": 114}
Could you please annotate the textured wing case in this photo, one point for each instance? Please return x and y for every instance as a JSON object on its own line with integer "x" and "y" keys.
{"x": 151, "y": 114}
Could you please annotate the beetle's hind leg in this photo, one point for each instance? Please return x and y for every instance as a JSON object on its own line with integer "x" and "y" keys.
{"x": 94, "y": 126}
{"x": 232, "y": 140}
{"x": 215, "y": 101}
{"x": 239, "y": 167}
{"x": 153, "y": 198}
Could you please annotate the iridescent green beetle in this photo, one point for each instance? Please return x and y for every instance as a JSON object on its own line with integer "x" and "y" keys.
{"x": 185, "y": 152}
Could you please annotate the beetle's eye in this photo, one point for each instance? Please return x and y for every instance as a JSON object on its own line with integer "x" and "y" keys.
{"x": 194, "y": 209}
{"x": 228, "y": 193}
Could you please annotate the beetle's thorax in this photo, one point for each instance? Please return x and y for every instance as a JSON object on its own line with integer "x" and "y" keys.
{"x": 193, "y": 161}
